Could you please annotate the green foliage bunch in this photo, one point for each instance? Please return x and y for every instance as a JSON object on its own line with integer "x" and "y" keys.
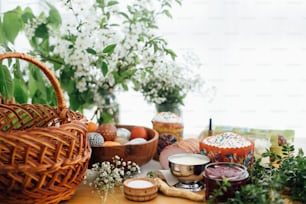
{"x": 285, "y": 176}
{"x": 94, "y": 48}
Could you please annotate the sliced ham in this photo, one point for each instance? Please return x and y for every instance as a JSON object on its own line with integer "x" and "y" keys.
{"x": 190, "y": 145}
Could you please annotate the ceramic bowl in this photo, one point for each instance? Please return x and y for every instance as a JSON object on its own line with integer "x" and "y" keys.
{"x": 138, "y": 153}
{"x": 140, "y": 189}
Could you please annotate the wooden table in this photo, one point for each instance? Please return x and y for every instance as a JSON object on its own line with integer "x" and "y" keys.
{"x": 85, "y": 193}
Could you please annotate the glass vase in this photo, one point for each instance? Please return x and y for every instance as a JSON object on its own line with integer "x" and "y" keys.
{"x": 169, "y": 107}
{"x": 108, "y": 111}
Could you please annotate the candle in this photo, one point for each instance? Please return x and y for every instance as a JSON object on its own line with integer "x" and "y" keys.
{"x": 210, "y": 131}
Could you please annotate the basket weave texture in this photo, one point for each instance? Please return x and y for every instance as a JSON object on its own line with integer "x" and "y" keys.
{"x": 44, "y": 150}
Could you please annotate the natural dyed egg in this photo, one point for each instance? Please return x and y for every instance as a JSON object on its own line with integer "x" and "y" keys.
{"x": 121, "y": 140}
{"x": 95, "y": 139}
{"x": 139, "y": 132}
{"x": 123, "y": 133}
{"x": 108, "y": 131}
{"x": 111, "y": 143}
{"x": 137, "y": 141}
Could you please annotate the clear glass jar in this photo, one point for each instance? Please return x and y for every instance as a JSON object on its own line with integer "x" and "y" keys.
{"x": 214, "y": 173}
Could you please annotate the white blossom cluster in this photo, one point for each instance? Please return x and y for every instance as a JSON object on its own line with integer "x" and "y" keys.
{"x": 82, "y": 28}
{"x": 172, "y": 79}
{"x": 106, "y": 175}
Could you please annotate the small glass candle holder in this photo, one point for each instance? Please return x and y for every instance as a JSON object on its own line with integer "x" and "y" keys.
{"x": 214, "y": 173}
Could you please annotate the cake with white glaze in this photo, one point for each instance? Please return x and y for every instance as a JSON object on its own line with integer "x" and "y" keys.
{"x": 228, "y": 147}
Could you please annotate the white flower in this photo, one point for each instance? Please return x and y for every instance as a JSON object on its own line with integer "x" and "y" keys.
{"x": 107, "y": 175}
{"x": 172, "y": 79}
{"x": 99, "y": 45}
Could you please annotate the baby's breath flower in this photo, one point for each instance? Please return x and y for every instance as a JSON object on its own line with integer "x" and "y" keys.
{"x": 104, "y": 176}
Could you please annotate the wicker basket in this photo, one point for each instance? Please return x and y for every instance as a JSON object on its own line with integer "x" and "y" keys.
{"x": 44, "y": 150}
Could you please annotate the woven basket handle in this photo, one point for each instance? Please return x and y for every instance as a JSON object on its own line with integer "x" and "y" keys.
{"x": 56, "y": 85}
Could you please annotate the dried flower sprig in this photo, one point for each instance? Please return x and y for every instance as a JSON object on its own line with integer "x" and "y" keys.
{"x": 104, "y": 176}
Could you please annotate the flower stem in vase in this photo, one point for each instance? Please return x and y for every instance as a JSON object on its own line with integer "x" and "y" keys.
{"x": 169, "y": 107}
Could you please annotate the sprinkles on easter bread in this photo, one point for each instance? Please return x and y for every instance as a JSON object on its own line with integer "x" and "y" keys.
{"x": 227, "y": 140}
{"x": 228, "y": 147}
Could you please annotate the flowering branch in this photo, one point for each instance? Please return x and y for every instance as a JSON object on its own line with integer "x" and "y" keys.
{"x": 93, "y": 47}
{"x": 106, "y": 175}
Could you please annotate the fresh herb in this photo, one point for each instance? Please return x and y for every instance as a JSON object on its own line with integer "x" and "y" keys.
{"x": 292, "y": 176}
{"x": 218, "y": 193}
{"x": 285, "y": 176}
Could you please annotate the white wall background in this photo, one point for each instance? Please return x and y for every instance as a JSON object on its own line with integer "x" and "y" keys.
{"x": 254, "y": 53}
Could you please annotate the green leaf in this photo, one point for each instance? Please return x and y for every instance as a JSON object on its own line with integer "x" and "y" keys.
{"x": 167, "y": 13}
{"x": 179, "y": 2}
{"x": 74, "y": 101}
{"x": 109, "y": 49}
{"x": 27, "y": 15}
{"x": 44, "y": 45}
{"x": 12, "y": 23}
{"x": 6, "y": 88}
{"x": 37, "y": 85}
{"x": 111, "y": 3}
{"x": 124, "y": 15}
{"x": 171, "y": 53}
{"x": 51, "y": 96}
{"x": 91, "y": 51}
{"x": 125, "y": 86}
{"x": 20, "y": 91}
{"x": 54, "y": 17}
{"x": 42, "y": 31}
{"x": 101, "y": 3}
{"x": 20, "y": 87}
{"x": 38, "y": 97}
{"x": 106, "y": 118}
{"x": 2, "y": 34}
{"x": 104, "y": 68}
{"x": 67, "y": 83}
{"x": 17, "y": 71}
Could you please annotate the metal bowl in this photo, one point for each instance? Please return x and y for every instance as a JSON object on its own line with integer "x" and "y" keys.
{"x": 188, "y": 167}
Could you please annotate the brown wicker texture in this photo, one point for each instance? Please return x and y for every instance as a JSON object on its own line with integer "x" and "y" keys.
{"x": 44, "y": 150}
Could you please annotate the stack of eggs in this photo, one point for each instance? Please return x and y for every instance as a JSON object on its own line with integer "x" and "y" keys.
{"x": 131, "y": 143}
{"x": 109, "y": 135}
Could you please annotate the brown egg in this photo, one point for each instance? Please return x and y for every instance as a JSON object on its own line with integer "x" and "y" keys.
{"x": 108, "y": 131}
{"x": 139, "y": 132}
{"x": 111, "y": 143}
